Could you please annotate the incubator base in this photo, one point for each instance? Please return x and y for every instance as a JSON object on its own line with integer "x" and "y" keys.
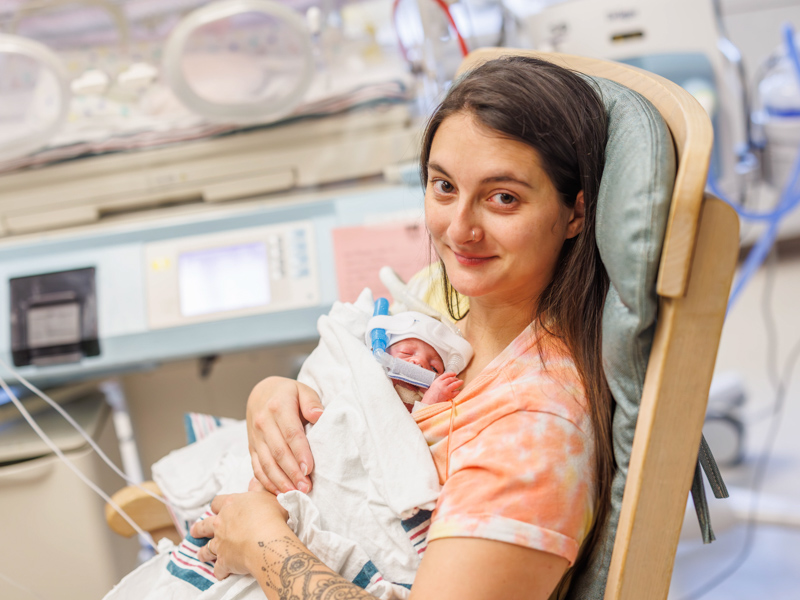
{"x": 303, "y": 154}
{"x": 55, "y": 540}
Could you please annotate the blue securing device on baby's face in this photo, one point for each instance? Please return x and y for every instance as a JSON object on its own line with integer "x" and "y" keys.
{"x": 395, "y": 368}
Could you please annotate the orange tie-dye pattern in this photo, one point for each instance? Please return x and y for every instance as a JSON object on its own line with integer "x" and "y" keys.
{"x": 520, "y": 452}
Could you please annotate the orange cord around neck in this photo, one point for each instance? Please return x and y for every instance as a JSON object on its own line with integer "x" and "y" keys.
{"x": 449, "y": 437}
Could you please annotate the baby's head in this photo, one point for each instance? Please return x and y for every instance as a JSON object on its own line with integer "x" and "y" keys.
{"x": 422, "y": 340}
{"x": 417, "y": 352}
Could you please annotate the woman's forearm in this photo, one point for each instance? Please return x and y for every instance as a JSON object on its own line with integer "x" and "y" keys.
{"x": 285, "y": 569}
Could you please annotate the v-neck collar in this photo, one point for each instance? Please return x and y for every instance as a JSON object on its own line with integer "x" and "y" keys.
{"x": 516, "y": 348}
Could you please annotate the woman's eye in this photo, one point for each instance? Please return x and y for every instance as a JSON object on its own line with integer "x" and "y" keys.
{"x": 504, "y": 199}
{"x": 442, "y": 186}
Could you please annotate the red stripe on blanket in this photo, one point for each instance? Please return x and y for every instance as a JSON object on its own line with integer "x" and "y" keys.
{"x": 197, "y": 565}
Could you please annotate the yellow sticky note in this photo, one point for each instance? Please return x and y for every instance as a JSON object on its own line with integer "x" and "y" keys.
{"x": 160, "y": 264}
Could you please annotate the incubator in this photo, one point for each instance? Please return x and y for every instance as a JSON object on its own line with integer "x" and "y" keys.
{"x": 89, "y": 77}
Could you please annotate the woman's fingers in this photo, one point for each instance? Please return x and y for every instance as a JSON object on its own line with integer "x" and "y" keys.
{"x": 275, "y": 456}
{"x": 206, "y": 554}
{"x": 311, "y": 410}
{"x": 239, "y": 521}
{"x": 261, "y": 476}
{"x": 255, "y": 486}
{"x": 310, "y": 406}
{"x": 221, "y": 571}
{"x": 202, "y": 529}
{"x": 220, "y": 501}
{"x": 275, "y": 431}
{"x": 291, "y": 450}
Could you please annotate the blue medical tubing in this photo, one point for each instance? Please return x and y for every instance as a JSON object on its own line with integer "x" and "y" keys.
{"x": 378, "y": 337}
{"x": 395, "y": 368}
{"x": 791, "y": 48}
{"x": 788, "y": 201}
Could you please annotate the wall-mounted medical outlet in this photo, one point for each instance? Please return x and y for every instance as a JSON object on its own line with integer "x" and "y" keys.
{"x": 53, "y": 317}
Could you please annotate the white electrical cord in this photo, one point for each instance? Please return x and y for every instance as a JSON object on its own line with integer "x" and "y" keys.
{"x": 75, "y": 425}
{"x": 50, "y": 444}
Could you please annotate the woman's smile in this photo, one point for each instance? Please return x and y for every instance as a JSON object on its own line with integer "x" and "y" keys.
{"x": 471, "y": 260}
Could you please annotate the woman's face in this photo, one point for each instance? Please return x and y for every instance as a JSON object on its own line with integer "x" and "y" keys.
{"x": 494, "y": 215}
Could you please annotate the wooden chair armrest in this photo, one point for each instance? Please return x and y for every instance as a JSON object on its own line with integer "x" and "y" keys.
{"x": 149, "y": 513}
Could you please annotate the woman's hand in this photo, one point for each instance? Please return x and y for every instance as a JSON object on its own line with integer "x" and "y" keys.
{"x": 276, "y": 412}
{"x": 241, "y": 522}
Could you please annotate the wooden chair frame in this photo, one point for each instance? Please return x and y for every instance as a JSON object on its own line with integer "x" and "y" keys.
{"x": 697, "y": 265}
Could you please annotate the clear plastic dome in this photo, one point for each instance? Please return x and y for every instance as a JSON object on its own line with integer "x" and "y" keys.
{"x": 35, "y": 93}
{"x": 240, "y": 60}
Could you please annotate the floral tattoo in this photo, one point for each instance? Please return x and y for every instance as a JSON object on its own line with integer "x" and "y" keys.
{"x": 296, "y": 574}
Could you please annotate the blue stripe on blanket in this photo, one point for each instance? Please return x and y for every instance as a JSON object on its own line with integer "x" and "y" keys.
{"x": 199, "y": 542}
{"x": 366, "y": 574}
{"x": 198, "y": 426}
{"x": 184, "y": 564}
{"x": 417, "y": 520}
{"x": 189, "y": 576}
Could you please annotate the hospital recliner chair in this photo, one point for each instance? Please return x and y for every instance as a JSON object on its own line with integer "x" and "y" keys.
{"x": 670, "y": 250}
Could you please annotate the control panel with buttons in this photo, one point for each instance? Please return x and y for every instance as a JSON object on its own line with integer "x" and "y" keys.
{"x": 236, "y": 273}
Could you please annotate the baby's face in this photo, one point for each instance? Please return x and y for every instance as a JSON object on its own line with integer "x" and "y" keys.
{"x": 419, "y": 353}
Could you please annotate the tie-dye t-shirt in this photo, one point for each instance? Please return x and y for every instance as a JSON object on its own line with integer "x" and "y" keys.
{"x": 521, "y": 453}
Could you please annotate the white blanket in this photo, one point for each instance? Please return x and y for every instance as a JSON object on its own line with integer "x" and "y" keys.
{"x": 374, "y": 481}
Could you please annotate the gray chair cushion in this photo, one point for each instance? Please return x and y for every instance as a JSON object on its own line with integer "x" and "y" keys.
{"x": 632, "y": 214}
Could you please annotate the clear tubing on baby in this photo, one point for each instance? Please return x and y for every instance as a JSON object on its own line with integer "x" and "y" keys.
{"x": 395, "y": 367}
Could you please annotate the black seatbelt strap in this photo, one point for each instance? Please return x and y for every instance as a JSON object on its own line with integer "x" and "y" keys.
{"x": 707, "y": 464}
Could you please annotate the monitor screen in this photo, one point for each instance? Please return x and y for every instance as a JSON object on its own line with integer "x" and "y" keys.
{"x": 54, "y": 325}
{"x": 222, "y": 279}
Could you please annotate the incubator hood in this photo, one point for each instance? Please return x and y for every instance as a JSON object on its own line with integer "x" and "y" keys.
{"x": 113, "y": 107}
{"x": 80, "y": 76}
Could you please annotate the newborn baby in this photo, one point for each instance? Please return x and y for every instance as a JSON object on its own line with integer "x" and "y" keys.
{"x": 428, "y": 343}
{"x": 444, "y": 387}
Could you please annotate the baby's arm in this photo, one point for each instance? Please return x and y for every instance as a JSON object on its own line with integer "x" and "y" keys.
{"x": 444, "y": 388}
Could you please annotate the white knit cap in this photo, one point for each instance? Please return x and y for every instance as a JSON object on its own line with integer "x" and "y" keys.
{"x": 455, "y": 351}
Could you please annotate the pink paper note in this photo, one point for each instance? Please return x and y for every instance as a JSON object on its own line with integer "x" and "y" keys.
{"x": 360, "y": 252}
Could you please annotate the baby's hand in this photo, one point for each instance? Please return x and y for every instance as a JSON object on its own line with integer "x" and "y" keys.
{"x": 444, "y": 388}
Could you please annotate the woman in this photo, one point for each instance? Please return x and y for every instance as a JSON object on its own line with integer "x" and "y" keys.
{"x": 511, "y": 163}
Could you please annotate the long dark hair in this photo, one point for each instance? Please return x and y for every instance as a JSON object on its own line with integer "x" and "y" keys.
{"x": 558, "y": 114}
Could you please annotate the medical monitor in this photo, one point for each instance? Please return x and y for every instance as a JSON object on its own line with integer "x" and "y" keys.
{"x": 248, "y": 271}
{"x": 221, "y": 279}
